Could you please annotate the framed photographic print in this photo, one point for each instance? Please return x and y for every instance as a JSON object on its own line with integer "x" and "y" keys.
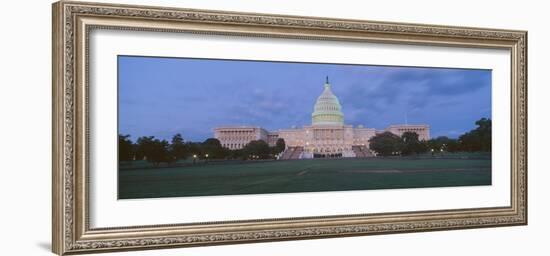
{"x": 179, "y": 127}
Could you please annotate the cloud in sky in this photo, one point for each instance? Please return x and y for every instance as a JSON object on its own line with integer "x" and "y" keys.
{"x": 164, "y": 96}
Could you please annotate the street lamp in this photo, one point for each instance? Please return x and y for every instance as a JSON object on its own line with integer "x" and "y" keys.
{"x": 206, "y": 156}
{"x": 194, "y": 158}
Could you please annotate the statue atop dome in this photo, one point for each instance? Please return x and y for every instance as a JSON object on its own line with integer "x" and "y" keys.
{"x": 327, "y": 109}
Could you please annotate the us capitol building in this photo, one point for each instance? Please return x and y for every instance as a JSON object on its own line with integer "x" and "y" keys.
{"x": 327, "y": 136}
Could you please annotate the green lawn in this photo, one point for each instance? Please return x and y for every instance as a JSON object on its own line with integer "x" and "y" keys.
{"x": 301, "y": 176}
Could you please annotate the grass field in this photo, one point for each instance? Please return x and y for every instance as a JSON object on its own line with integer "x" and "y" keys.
{"x": 301, "y": 176}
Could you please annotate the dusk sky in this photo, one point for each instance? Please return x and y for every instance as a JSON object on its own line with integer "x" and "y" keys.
{"x": 164, "y": 96}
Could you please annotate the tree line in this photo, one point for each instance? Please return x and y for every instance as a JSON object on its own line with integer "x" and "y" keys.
{"x": 476, "y": 140}
{"x": 384, "y": 144}
{"x": 162, "y": 151}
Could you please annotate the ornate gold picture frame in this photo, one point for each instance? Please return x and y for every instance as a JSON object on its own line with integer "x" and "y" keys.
{"x": 72, "y": 24}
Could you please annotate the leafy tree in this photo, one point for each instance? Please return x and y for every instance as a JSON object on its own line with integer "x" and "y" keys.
{"x": 257, "y": 149}
{"x": 443, "y": 143}
{"x": 237, "y": 154}
{"x": 213, "y": 148}
{"x": 280, "y": 145}
{"x": 411, "y": 144}
{"x": 144, "y": 147}
{"x": 178, "y": 147}
{"x": 194, "y": 148}
{"x": 386, "y": 144}
{"x": 154, "y": 150}
{"x": 125, "y": 148}
{"x": 160, "y": 152}
{"x": 478, "y": 139}
{"x": 484, "y": 131}
{"x": 452, "y": 146}
{"x": 213, "y": 142}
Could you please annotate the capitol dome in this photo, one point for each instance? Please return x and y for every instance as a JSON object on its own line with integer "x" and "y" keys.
{"x": 327, "y": 110}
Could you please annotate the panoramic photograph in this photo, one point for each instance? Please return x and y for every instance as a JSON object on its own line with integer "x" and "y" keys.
{"x": 212, "y": 127}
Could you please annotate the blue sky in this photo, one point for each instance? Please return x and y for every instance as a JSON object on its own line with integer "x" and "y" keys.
{"x": 164, "y": 96}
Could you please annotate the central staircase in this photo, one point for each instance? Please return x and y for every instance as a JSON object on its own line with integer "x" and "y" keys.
{"x": 292, "y": 153}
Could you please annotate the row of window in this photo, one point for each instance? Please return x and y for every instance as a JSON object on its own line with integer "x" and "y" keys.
{"x": 328, "y": 150}
{"x": 234, "y": 145}
{"x": 329, "y": 117}
{"x": 236, "y": 138}
{"x": 330, "y": 108}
